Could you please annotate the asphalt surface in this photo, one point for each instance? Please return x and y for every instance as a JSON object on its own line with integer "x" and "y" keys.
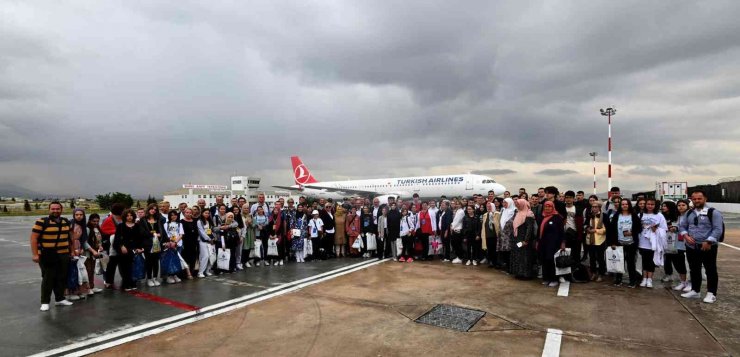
{"x": 372, "y": 312}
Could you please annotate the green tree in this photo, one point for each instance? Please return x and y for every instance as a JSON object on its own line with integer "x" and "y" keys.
{"x": 37, "y": 205}
{"x": 72, "y": 203}
{"x": 107, "y": 200}
{"x": 5, "y": 208}
{"x": 12, "y": 199}
{"x": 138, "y": 204}
{"x": 26, "y": 206}
{"x": 150, "y": 200}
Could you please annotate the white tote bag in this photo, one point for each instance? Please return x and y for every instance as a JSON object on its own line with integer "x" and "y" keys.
{"x": 183, "y": 263}
{"x": 82, "y": 270}
{"x": 562, "y": 271}
{"x": 614, "y": 260}
{"x": 307, "y": 247}
{"x": 257, "y": 251}
{"x": 357, "y": 244}
{"x": 212, "y": 256}
{"x": 399, "y": 245}
{"x": 372, "y": 244}
{"x": 272, "y": 248}
{"x": 224, "y": 258}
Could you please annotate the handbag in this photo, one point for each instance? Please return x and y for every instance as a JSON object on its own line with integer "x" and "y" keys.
{"x": 98, "y": 267}
{"x": 614, "y": 260}
{"x": 183, "y": 263}
{"x": 399, "y": 244}
{"x": 357, "y": 244}
{"x": 307, "y": 247}
{"x": 82, "y": 270}
{"x": 212, "y": 256}
{"x": 372, "y": 244}
{"x": 559, "y": 270}
{"x": 170, "y": 262}
{"x": 257, "y": 251}
{"x": 138, "y": 270}
{"x": 296, "y": 232}
{"x": 272, "y": 247}
{"x": 224, "y": 258}
{"x": 73, "y": 278}
{"x": 671, "y": 243}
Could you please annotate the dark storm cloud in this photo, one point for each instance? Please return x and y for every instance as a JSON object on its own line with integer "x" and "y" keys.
{"x": 555, "y": 172}
{"x": 164, "y": 95}
{"x": 493, "y": 172}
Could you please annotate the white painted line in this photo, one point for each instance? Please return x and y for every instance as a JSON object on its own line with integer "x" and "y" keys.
{"x": 552, "y": 343}
{"x": 203, "y": 313}
{"x": 730, "y": 246}
{"x": 564, "y": 288}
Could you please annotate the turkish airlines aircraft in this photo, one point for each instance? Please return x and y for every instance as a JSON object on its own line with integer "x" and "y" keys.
{"x": 428, "y": 187}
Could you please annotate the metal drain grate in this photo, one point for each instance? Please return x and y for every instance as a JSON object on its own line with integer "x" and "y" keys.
{"x": 451, "y": 317}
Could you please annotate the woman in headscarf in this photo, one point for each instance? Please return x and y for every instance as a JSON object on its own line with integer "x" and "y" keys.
{"x": 490, "y": 230}
{"x": 523, "y": 254}
{"x": 340, "y": 235}
{"x": 78, "y": 228}
{"x": 503, "y": 244}
{"x": 247, "y": 236}
{"x": 551, "y": 240}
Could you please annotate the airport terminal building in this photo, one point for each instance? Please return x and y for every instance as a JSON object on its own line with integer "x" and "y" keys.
{"x": 240, "y": 186}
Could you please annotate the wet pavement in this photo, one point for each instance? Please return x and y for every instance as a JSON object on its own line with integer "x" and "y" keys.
{"x": 372, "y": 311}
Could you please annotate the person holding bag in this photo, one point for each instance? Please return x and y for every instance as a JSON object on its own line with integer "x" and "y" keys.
{"x": 368, "y": 231}
{"x": 425, "y": 228}
{"x": 93, "y": 249}
{"x": 174, "y": 231}
{"x": 407, "y": 236}
{"x": 622, "y": 230}
{"x": 316, "y": 231}
{"x": 299, "y": 232}
{"x": 652, "y": 241}
{"x": 551, "y": 241}
{"x": 229, "y": 240}
{"x": 247, "y": 236}
{"x": 596, "y": 242}
{"x": 352, "y": 228}
{"x": 129, "y": 242}
{"x": 261, "y": 234}
{"x": 206, "y": 244}
{"x": 153, "y": 234}
{"x": 675, "y": 254}
{"x": 79, "y": 238}
{"x": 685, "y": 285}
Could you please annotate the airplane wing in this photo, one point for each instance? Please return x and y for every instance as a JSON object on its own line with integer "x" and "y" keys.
{"x": 288, "y": 188}
{"x": 342, "y": 190}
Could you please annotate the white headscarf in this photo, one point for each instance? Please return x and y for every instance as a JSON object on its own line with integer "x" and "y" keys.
{"x": 508, "y": 212}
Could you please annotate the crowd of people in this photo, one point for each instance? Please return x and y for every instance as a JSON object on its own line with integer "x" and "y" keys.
{"x": 519, "y": 234}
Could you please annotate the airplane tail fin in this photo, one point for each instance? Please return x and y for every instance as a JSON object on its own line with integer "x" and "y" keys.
{"x": 300, "y": 172}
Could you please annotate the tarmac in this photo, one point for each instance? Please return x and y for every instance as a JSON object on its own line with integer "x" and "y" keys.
{"x": 363, "y": 307}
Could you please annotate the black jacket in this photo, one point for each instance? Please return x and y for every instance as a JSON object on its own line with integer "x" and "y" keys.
{"x": 394, "y": 223}
{"x": 147, "y": 237}
{"x": 129, "y": 237}
{"x": 445, "y": 221}
{"x": 612, "y": 236}
{"x": 327, "y": 219}
{"x": 471, "y": 227}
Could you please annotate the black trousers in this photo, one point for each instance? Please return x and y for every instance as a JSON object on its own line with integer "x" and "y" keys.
{"x": 53, "y": 275}
{"x": 125, "y": 263}
{"x": 424, "y": 238}
{"x": 630, "y": 256}
{"x": 572, "y": 242}
{"x": 697, "y": 259}
{"x": 677, "y": 261}
{"x": 647, "y": 260}
{"x": 408, "y": 247}
{"x": 110, "y": 270}
{"x": 387, "y": 250}
{"x": 151, "y": 264}
{"x": 491, "y": 252}
{"x": 457, "y": 245}
{"x": 473, "y": 248}
{"x": 596, "y": 254}
{"x": 446, "y": 245}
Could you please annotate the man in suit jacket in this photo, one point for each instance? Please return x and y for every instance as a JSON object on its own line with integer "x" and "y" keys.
{"x": 444, "y": 220}
{"x": 327, "y": 242}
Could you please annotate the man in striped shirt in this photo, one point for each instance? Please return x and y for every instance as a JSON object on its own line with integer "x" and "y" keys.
{"x": 51, "y": 248}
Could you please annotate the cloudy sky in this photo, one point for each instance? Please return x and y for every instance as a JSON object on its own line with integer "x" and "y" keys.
{"x": 142, "y": 96}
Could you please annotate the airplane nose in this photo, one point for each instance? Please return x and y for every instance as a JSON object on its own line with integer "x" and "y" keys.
{"x": 500, "y": 189}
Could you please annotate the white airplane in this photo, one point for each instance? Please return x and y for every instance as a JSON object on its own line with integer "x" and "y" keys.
{"x": 427, "y": 187}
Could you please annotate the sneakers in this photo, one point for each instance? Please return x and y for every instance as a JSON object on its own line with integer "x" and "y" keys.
{"x": 149, "y": 283}
{"x": 475, "y": 263}
{"x": 97, "y": 290}
{"x": 170, "y": 280}
{"x": 257, "y": 264}
{"x": 157, "y": 282}
{"x": 44, "y": 307}
{"x": 643, "y": 283}
{"x": 267, "y": 264}
{"x": 599, "y": 279}
{"x": 691, "y": 295}
{"x": 239, "y": 267}
{"x": 710, "y": 298}
{"x": 457, "y": 261}
{"x": 446, "y": 260}
{"x": 402, "y": 260}
{"x": 561, "y": 280}
{"x": 667, "y": 279}
{"x": 552, "y": 284}
{"x": 201, "y": 275}
{"x": 484, "y": 261}
{"x": 249, "y": 265}
{"x": 63, "y": 303}
{"x": 177, "y": 279}
{"x": 410, "y": 260}
{"x": 280, "y": 263}
{"x": 680, "y": 286}
{"x": 73, "y": 297}
{"x": 688, "y": 287}
{"x": 468, "y": 263}
{"x": 649, "y": 283}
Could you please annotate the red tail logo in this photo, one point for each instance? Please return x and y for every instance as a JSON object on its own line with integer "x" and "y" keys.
{"x": 300, "y": 172}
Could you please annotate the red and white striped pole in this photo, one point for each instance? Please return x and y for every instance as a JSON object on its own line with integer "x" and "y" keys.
{"x": 608, "y": 113}
{"x": 593, "y": 154}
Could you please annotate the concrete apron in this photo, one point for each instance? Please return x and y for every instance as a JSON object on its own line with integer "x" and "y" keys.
{"x": 372, "y": 312}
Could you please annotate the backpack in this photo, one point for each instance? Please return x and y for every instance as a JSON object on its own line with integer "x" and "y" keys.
{"x": 710, "y": 214}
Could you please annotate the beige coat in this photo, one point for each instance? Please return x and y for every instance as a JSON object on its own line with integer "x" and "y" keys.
{"x": 496, "y": 226}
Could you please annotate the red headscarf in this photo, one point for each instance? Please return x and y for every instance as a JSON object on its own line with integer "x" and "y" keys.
{"x": 546, "y": 216}
{"x": 522, "y": 212}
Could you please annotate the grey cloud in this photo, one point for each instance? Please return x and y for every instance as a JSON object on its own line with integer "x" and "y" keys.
{"x": 648, "y": 171}
{"x": 494, "y": 172}
{"x": 555, "y": 172}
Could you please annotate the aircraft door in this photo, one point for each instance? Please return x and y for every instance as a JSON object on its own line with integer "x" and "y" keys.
{"x": 468, "y": 183}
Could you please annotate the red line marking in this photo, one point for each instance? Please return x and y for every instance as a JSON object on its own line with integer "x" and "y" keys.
{"x": 163, "y": 300}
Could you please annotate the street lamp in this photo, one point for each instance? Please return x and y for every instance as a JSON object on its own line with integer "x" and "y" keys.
{"x": 593, "y": 154}
{"x": 608, "y": 112}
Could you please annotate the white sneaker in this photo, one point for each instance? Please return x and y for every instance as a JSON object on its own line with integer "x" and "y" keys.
{"x": 209, "y": 273}
{"x": 667, "y": 279}
{"x": 688, "y": 287}
{"x": 457, "y": 261}
{"x": 680, "y": 286}
{"x": 63, "y": 303}
{"x": 257, "y": 264}
{"x": 710, "y": 298}
{"x": 97, "y": 290}
{"x": 475, "y": 263}
{"x": 643, "y": 283}
{"x": 149, "y": 282}
{"x": 267, "y": 264}
{"x": 468, "y": 263}
{"x": 90, "y": 293}
{"x": 552, "y": 284}
{"x": 446, "y": 260}
{"x": 249, "y": 265}
{"x": 691, "y": 295}
{"x": 484, "y": 261}
{"x": 649, "y": 283}
{"x": 44, "y": 307}
{"x": 280, "y": 263}
{"x": 201, "y": 275}
{"x": 561, "y": 280}
{"x": 170, "y": 280}
{"x": 73, "y": 297}
{"x": 239, "y": 266}
{"x": 177, "y": 279}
